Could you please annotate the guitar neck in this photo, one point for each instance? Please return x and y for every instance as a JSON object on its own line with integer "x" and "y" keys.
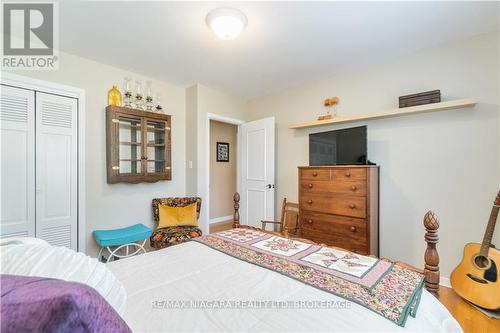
{"x": 488, "y": 234}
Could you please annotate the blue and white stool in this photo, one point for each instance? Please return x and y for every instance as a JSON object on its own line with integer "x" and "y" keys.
{"x": 127, "y": 238}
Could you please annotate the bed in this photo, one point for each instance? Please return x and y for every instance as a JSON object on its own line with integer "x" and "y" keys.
{"x": 193, "y": 287}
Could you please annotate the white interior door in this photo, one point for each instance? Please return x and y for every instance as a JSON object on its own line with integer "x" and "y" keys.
{"x": 257, "y": 171}
{"x": 56, "y": 170}
{"x": 17, "y": 164}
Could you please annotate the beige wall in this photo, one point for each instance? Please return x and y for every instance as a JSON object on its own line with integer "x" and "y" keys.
{"x": 446, "y": 161}
{"x": 117, "y": 205}
{"x": 222, "y": 174}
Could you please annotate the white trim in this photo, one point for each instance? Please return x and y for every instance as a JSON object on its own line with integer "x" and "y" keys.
{"x": 224, "y": 119}
{"x": 78, "y": 93}
{"x": 444, "y": 281}
{"x": 221, "y": 219}
{"x": 228, "y": 120}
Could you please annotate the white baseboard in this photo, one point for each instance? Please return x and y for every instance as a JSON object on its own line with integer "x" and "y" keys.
{"x": 221, "y": 219}
{"x": 444, "y": 281}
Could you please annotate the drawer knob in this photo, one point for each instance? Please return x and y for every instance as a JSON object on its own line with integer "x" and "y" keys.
{"x": 352, "y": 206}
{"x": 310, "y": 185}
{"x": 310, "y": 221}
{"x": 348, "y": 174}
{"x": 309, "y": 201}
{"x": 354, "y": 188}
{"x": 353, "y": 229}
{"x": 315, "y": 174}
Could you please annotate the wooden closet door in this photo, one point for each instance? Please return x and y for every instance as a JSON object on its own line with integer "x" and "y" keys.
{"x": 56, "y": 170}
{"x": 17, "y": 146}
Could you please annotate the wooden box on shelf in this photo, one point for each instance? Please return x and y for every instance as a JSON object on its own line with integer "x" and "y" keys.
{"x": 138, "y": 146}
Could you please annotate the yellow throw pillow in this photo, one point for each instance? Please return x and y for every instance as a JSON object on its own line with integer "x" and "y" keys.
{"x": 175, "y": 216}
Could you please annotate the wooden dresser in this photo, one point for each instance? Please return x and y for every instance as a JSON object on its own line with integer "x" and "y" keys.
{"x": 339, "y": 206}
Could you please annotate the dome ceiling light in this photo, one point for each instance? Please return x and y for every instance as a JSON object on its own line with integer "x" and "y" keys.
{"x": 226, "y": 23}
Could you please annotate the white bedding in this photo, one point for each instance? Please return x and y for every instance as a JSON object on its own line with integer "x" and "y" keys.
{"x": 35, "y": 257}
{"x": 192, "y": 271}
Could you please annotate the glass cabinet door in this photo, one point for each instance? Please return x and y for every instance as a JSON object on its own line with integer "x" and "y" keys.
{"x": 138, "y": 146}
{"x": 157, "y": 135}
{"x": 129, "y": 145}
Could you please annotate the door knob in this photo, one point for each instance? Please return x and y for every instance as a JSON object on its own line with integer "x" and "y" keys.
{"x": 348, "y": 174}
{"x": 309, "y": 201}
{"x": 315, "y": 174}
{"x": 353, "y": 188}
{"x": 310, "y": 185}
{"x": 353, "y": 229}
{"x": 352, "y": 206}
{"x": 268, "y": 185}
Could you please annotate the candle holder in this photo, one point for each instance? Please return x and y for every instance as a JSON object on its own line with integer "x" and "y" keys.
{"x": 149, "y": 96}
{"x": 127, "y": 92}
{"x": 139, "y": 98}
{"x": 158, "y": 107}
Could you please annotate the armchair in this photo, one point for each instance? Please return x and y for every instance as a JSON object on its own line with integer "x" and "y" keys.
{"x": 169, "y": 236}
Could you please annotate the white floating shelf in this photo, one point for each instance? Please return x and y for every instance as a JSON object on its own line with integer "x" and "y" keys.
{"x": 455, "y": 104}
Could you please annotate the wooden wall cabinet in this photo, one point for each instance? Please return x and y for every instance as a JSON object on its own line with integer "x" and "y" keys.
{"x": 338, "y": 206}
{"x": 138, "y": 145}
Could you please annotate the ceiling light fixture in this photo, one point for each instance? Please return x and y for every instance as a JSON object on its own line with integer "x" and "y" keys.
{"x": 226, "y": 23}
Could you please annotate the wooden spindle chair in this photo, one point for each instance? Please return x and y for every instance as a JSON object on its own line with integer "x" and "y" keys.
{"x": 289, "y": 222}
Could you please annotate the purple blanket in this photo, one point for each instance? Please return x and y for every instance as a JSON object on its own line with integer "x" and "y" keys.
{"x": 34, "y": 304}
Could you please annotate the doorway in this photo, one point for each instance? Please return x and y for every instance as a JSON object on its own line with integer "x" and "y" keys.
{"x": 223, "y": 174}
{"x": 254, "y": 154}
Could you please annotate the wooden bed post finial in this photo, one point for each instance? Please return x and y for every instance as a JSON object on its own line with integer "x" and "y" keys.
{"x": 236, "y": 216}
{"x": 431, "y": 256}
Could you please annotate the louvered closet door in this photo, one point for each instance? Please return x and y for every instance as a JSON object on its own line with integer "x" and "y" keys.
{"x": 17, "y": 164}
{"x": 56, "y": 170}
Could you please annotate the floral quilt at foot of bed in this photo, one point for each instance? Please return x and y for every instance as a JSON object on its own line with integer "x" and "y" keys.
{"x": 379, "y": 285}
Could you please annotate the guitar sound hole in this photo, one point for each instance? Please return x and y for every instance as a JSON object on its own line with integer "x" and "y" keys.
{"x": 481, "y": 261}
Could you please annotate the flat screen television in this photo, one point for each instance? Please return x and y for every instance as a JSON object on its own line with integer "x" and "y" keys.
{"x": 345, "y": 146}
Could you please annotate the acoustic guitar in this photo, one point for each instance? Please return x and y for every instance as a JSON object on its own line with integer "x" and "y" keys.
{"x": 476, "y": 277}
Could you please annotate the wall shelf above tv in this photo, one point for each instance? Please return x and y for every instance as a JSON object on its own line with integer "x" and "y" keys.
{"x": 455, "y": 104}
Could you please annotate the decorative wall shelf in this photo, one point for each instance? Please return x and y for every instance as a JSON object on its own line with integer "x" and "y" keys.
{"x": 138, "y": 145}
{"x": 455, "y": 104}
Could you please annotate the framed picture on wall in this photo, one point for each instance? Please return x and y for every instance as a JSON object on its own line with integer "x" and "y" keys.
{"x": 222, "y": 152}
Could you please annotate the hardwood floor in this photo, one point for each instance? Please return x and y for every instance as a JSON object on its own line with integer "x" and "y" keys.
{"x": 471, "y": 320}
{"x": 221, "y": 226}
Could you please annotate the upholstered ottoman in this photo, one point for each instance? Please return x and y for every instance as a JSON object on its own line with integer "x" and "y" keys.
{"x": 165, "y": 237}
{"x": 116, "y": 240}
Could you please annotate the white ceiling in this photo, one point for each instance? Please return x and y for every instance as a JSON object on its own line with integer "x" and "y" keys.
{"x": 285, "y": 43}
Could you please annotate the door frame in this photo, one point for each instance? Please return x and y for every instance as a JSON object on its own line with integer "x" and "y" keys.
{"x": 227, "y": 120}
{"x": 29, "y": 83}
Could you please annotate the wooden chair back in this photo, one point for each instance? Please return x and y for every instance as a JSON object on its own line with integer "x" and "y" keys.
{"x": 289, "y": 220}
{"x": 289, "y": 217}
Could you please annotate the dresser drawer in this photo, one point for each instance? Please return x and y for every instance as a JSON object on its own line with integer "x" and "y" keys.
{"x": 332, "y": 240}
{"x": 344, "y": 187}
{"x": 340, "y": 204}
{"x": 315, "y": 174}
{"x": 336, "y": 225}
{"x": 339, "y": 174}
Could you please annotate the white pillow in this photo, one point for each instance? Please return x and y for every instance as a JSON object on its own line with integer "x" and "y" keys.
{"x": 44, "y": 260}
{"x": 21, "y": 240}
